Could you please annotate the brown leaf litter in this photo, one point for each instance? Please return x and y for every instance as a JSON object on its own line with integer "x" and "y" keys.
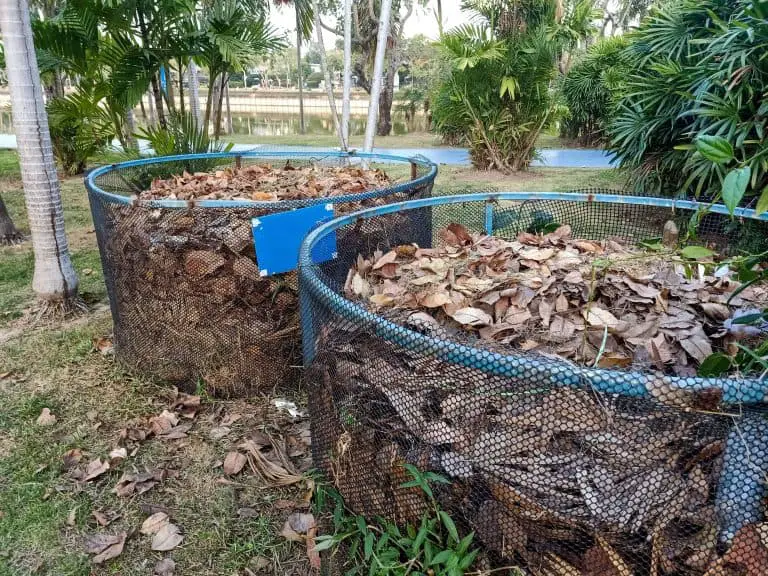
{"x": 192, "y": 303}
{"x": 564, "y": 481}
{"x": 604, "y": 304}
{"x": 265, "y": 183}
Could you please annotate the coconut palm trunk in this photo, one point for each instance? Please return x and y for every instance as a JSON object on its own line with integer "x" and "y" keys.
{"x": 346, "y": 102}
{"x": 300, "y": 73}
{"x": 54, "y": 279}
{"x": 378, "y": 72}
{"x": 194, "y": 91}
{"x": 8, "y": 232}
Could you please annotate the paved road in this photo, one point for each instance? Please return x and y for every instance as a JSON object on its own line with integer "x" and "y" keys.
{"x": 553, "y": 158}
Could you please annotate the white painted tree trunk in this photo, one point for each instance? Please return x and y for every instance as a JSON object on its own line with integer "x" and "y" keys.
{"x": 346, "y": 101}
{"x": 194, "y": 91}
{"x": 54, "y": 277}
{"x": 327, "y": 75}
{"x": 130, "y": 130}
{"x": 378, "y": 72}
{"x": 152, "y": 115}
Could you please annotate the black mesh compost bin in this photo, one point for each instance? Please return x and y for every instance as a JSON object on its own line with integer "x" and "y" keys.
{"x": 581, "y": 369}
{"x": 188, "y": 299}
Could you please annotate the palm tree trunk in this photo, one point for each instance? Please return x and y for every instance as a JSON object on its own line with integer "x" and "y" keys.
{"x": 181, "y": 88}
{"x": 54, "y": 278}
{"x": 194, "y": 90}
{"x": 8, "y": 232}
{"x": 219, "y": 105}
{"x": 378, "y": 72}
{"x": 170, "y": 96}
{"x": 229, "y": 110}
{"x": 440, "y": 18}
{"x": 346, "y": 103}
{"x": 158, "y": 96}
{"x": 300, "y": 74}
{"x": 212, "y": 78}
{"x": 152, "y": 114}
{"x": 130, "y": 130}
{"x": 327, "y": 75}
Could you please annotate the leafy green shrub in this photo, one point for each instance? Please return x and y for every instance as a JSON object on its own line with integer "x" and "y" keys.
{"x": 183, "y": 135}
{"x": 497, "y": 96}
{"x": 592, "y": 88}
{"x": 693, "y": 119}
{"x": 383, "y": 549}
{"x": 80, "y": 128}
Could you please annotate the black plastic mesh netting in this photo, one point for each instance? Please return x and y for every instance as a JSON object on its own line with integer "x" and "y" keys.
{"x": 188, "y": 302}
{"x": 558, "y": 468}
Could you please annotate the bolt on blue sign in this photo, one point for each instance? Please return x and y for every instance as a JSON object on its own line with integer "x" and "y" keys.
{"x": 278, "y": 237}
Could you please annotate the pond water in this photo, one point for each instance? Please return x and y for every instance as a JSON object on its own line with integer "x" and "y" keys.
{"x": 269, "y": 124}
{"x": 288, "y": 124}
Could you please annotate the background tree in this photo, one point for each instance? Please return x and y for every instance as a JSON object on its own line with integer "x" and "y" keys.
{"x": 8, "y": 232}
{"x": 54, "y": 280}
{"x": 592, "y": 89}
{"x": 497, "y": 97}
{"x": 693, "y": 119}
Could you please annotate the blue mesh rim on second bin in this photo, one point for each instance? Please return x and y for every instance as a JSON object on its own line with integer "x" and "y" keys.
{"x": 553, "y": 372}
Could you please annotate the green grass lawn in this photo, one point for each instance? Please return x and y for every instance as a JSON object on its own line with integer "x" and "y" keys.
{"x": 45, "y": 515}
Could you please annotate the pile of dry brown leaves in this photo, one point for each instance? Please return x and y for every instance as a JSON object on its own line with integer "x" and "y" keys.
{"x": 604, "y": 304}
{"x": 264, "y": 183}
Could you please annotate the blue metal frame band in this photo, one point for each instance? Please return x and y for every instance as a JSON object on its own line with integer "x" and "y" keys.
{"x": 556, "y": 373}
{"x": 93, "y": 187}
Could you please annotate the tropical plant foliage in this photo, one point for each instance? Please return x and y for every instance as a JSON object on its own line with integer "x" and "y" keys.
{"x": 498, "y": 95}
{"x": 693, "y": 119}
{"x": 116, "y": 51}
{"x": 592, "y": 88}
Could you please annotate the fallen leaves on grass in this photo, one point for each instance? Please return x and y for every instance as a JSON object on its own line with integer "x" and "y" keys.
{"x": 130, "y": 484}
{"x": 154, "y": 523}
{"x": 297, "y": 526}
{"x": 268, "y": 461}
{"x": 95, "y": 469}
{"x": 105, "y": 546}
{"x": 167, "y": 538}
{"x": 234, "y": 462}
{"x": 71, "y": 458}
{"x": 46, "y": 418}
{"x": 165, "y": 567}
{"x": 104, "y": 345}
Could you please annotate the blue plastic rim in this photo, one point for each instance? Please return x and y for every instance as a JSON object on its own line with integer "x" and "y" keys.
{"x": 552, "y": 372}
{"x": 93, "y": 187}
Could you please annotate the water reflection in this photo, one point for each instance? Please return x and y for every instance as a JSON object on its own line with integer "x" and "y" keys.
{"x": 280, "y": 124}
{"x": 288, "y": 125}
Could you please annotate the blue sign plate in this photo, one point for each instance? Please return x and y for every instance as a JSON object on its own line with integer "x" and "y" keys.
{"x": 277, "y": 238}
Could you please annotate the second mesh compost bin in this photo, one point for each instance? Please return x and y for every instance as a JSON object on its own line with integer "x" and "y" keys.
{"x": 188, "y": 298}
{"x": 573, "y": 365}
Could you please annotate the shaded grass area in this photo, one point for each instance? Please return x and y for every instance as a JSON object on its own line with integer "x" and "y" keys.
{"x": 45, "y": 515}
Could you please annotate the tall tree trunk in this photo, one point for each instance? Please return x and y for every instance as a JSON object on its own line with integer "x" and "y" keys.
{"x": 219, "y": 105}
{"x": 194, "y": 91}
{"x": 158, "y": 96}
{"x": 346, "y": 102}
{"x": 384, "y": 126}
{"x": 169, "y": 91}
{"x": 8, "y": 232}
{"x": 181, "y": 88}
{"x": 440, "y": 18}
{"x": 130, "y": 130}
{"x": 378, "y": 71}
{"x": 152, "y": 113}
{"x": 327, "y": 75}
{"x": 229, "y": 110}
{"x": 54, "y": 278}
{"x": 212, "y": 83}
{"x": 143, "y": 110}
{"x": 300, "y": 74}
